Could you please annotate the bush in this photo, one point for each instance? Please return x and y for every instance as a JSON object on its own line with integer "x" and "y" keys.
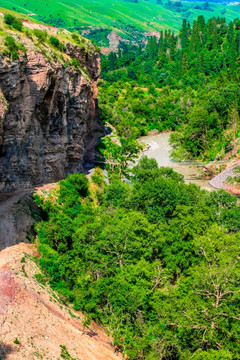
{"x": 54, "y": 42}
{"x": 75, "y": 37}
{"x": 75, "y": 63}
{"x": 12, "y": 47}
{"x": 41, "y": 35}
{"x": 80, "y": 183}
{"x": 57, "y": 44}
{"x": 14, "y": 22}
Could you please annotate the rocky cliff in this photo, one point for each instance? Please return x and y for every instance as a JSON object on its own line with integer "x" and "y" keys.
{"x": 47, "y": 112}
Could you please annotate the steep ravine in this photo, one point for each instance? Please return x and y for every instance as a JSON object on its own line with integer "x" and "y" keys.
{"x": 48, "y": 117}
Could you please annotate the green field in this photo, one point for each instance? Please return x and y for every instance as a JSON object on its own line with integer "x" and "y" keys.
{"x": 144, "y": 16}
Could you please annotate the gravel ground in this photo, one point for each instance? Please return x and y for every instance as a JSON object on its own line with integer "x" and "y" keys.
{"x": 218, "y": 182}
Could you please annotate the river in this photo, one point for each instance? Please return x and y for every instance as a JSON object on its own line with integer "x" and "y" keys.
{"x": 159, "y": 149}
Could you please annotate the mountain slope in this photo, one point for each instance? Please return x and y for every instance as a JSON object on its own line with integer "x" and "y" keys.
{"x": 35, "y": 324}
{"x": 125, "y": 17}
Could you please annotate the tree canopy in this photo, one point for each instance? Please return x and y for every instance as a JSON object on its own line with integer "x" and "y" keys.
{"x": 156, "y": 261}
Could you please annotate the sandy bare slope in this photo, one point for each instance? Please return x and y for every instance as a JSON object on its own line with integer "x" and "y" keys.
{"x": 34, "y": 324}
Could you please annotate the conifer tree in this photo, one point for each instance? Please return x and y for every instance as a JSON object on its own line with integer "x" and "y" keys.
{"x": 184, "y": 35}
{"x": 234, "y": 122}
{"x": 233, "y": 57}
{"x": 160, "y": 45}
{"x": 195, "y": 39}
{"x": 230, "y": 34}
{"x": 201, "y": 22}
{"x": 184, "y": 63}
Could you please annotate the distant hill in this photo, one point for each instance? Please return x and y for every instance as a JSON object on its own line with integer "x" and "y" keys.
{"x": 131, "y": 20}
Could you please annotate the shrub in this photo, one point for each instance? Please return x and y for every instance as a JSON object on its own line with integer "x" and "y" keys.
{"x": 57, "y": 44}
{"x": 14, "y": 22}
{"x": 12, "y": 47}
{"x": 75, "y": 63}
{"x": 54, "y": 42}
{"x": 80, "y": 183}
{"x": 75, "y": 37}
{"x": 41, "y": 35}
{"x": 16, "y": 341}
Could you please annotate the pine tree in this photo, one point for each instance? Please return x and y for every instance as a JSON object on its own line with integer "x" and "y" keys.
{"x": 184, "y": 35}
{"x": 230, "y": 34}
{"x": 140, "y": 50}
{"x": 160, "y": 45}
{"x": 233, "y": 57}
{"x": 184, "y": 63}
{"x": 195, "y": 38}
{"x": 165, "y": 40}
{"x": 200, "y": 64}
{"x": 234, "y": 122}
{"x": 238, "y": 68}
{"x": 212, "y": 34}
{"x": 201, "y": 23}
{"x": 237, "y": 41}
{"x": 112, "y": 60}
{"x": 172, "y": 46}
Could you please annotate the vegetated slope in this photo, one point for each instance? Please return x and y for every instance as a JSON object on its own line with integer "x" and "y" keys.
{"x": 48, "y": 90}
{"x": 127, "y": 18}
{"x": 156, "y": 261}
{"x": 35, "y": 324}
{"x": 188, "y": 83}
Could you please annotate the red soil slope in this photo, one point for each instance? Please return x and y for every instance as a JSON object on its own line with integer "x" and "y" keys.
{"x": 34, "y": 322}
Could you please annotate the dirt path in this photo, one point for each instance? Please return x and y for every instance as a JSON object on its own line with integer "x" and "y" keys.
{"x": 18, "y": 212}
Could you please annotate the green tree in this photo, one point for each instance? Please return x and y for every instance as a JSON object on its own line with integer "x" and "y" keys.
{"x": 184, "y": 35}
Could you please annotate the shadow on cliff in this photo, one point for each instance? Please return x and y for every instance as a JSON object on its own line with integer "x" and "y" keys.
{"x": 18, "y": 213}
{"x": 5, "y": 350}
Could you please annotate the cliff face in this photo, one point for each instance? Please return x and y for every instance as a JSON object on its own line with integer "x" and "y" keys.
{"x": 47, "y": 117}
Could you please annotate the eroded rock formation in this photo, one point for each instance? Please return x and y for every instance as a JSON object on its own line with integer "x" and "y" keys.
{"x": 49, "y": 118}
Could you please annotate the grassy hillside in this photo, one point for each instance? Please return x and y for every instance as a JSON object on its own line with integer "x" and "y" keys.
{"x": 19, "y": 35}
{"x": 144, "y": 16}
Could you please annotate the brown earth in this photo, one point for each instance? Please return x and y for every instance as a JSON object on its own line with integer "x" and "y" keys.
{"x": 113, "y": 39}
{"x": 33, "y": 25}
{"x": 34, "y": 323}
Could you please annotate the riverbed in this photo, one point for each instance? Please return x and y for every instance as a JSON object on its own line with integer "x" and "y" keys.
{"x": 159, "y": 149}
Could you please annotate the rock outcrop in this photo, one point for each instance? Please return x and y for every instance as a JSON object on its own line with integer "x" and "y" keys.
{"x": 47, "y": 116}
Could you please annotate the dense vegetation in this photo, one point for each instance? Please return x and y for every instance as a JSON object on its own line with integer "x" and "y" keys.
{"x": 188, "y": 83}
{"x": 156, "y": 261}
